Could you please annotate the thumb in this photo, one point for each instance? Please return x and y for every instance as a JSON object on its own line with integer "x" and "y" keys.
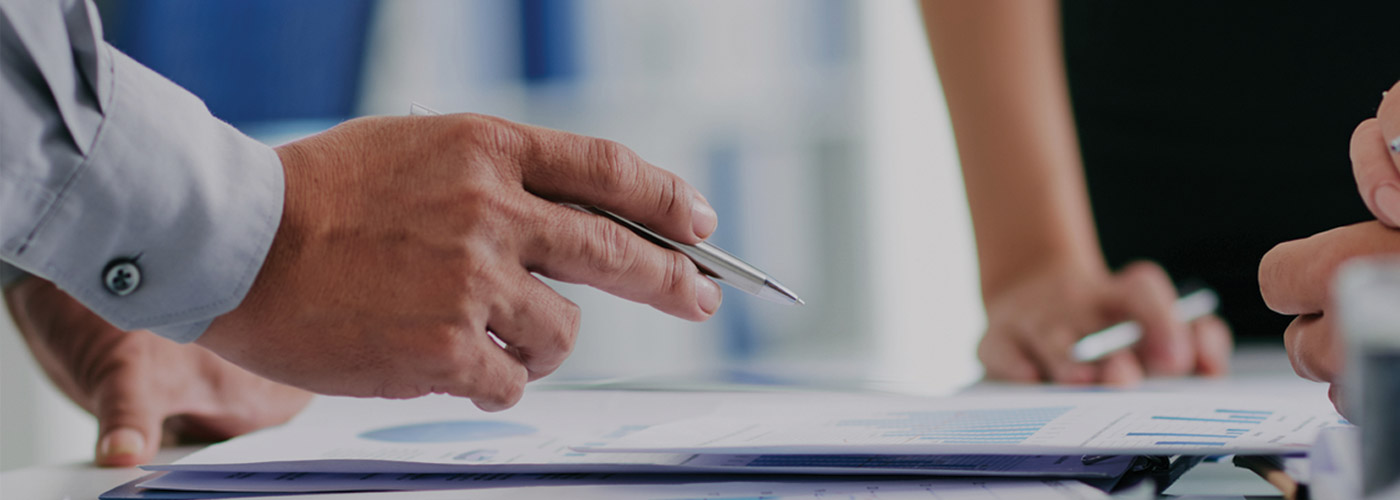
{"x": 129, "y": 423}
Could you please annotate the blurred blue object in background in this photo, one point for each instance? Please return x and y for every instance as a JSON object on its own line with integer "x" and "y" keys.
{"x": 548, "y": 40}
{"x": 252, "y": 61}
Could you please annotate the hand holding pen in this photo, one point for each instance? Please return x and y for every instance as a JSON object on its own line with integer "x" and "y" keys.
{"x": 1036, "y": 326}
{"x": 712, "y": 260}
{"x": 409, "y": 246}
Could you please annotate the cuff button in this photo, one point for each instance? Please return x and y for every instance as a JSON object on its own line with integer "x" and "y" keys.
{"x": 121, "y": 277}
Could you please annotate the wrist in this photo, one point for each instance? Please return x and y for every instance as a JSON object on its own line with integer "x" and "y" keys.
{"x": 999, "y": 279}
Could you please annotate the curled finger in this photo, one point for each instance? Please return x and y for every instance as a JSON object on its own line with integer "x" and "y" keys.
{"x": 1004, "y": 359}
{"x": 1146, "y": 294}
{"x": 1051, "y": 352}
{"x": 1121, "y": 369}
{"x": 1312, "y": 348}
{"x": 484, "y": 372}
{"x": 1213, "y": 345}
{"x": 537, "y": 324}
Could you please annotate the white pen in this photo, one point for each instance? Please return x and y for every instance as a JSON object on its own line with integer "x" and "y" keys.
{"x": 713, "y": 261}
{"x": 1095, "y": 346}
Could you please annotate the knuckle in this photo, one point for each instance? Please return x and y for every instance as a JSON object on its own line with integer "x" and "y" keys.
{"x": 679, "y": 271}
{"x": 444, "y": 353}
{"x": 610, "y": 161}
{"x": 1147, "y": 274}
{"x": 566, "y": 335}
{"x": 611, "y": 250}
{"x": 672, "y": 198}
{"x": 503, "y": 394}
{"x": 489, "y": 133}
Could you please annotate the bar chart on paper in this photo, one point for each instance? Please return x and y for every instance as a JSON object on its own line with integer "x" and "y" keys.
{"x": 991, "y": 426}
{"x": 1213, "y": 427}
{"x": 1079, "y": 423}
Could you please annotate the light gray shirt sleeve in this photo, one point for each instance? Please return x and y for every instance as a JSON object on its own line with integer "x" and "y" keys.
{"x": 104, "y": 161}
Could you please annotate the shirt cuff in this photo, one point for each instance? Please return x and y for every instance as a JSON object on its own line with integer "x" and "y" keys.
{"x": 10, "y": 275}
{"x": 168, "y": 221}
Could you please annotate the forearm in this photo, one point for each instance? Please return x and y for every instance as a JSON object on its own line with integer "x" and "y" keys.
{"x": 1001, "y": 66}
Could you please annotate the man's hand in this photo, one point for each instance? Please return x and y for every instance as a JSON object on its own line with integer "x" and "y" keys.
{"x": 142, "y": 388}
{"x": 407, "y": 243}
{"x": 1296, "y": 277}
{"x": 1032, "y": 326}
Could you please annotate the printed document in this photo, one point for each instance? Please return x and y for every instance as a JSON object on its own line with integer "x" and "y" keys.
{"x": 1083, "y": 423}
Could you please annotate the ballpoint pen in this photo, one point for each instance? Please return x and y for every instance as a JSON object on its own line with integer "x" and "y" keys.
{"x": 713, "y": 261}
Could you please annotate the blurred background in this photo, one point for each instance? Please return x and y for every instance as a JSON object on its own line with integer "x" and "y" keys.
{"x": 815, "y": 127}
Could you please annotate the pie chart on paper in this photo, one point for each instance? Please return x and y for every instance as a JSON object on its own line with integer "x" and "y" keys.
{"x": 451, "y": 431}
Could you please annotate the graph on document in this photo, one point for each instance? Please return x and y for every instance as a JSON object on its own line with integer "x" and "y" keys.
{"x": 1040, "y": 424}
{"x": 1212, "y": 429}
{"x": 989, "y": 426}
{"x": 1224, "y": 428}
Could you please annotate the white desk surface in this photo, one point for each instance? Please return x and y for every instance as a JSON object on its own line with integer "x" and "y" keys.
{"x": 1255, "y": 370}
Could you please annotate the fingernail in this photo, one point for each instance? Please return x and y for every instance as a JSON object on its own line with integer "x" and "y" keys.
{"x": 1388, "y": 202}
{"x": 1395, "y": 145}
{"x": 123, "y": 441}
{"x": 707, "y": 294}
{"x": 702, "y": 217}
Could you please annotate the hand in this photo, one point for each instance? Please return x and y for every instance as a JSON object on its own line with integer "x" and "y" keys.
{"x": 1295, "y": 277}
{"x": 1033, "y": 325}
{"x": 142, "y": 388}
{"x": 406, "y": 243}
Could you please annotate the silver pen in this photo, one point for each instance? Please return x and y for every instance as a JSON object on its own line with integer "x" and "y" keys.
{"x": 713, "y": 261}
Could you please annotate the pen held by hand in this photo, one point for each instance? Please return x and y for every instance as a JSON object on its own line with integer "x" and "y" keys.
{"x": 1100, "y": 344}
{"x": 723, "y": 266}
{"x": 714, "y": 262}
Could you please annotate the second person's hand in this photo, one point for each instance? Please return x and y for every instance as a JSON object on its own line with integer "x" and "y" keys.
{"x": 1032, "y": 326}
{"x": 406, "y": 243}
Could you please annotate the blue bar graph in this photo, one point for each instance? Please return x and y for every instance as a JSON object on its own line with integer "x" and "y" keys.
{"x": 1207, "y": 430}
{"x": 1000, "y": 426}
{"x": 1181, "y": 434}
{"x": 1194, "y": 443}
{"x": 1225, "y": 415}
{"x": 1198, "y": 419}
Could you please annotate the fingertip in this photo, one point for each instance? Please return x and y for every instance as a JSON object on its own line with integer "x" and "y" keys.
{"x": 123, "y": 447}
{"x": 707, "y": 295}
{"x": 1334, "y": 393}
{"x": 505, "y": 400}
{"x": 703, "y": 219}
{"x": 1387, "y": 202}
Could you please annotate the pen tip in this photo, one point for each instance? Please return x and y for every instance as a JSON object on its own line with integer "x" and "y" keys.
{"x": 785, "y": 294}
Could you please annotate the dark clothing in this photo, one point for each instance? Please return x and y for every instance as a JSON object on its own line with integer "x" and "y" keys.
{"x": 1213, "y": 130}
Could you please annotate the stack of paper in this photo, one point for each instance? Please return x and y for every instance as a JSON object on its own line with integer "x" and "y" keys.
{"x": 647, "y": 439}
